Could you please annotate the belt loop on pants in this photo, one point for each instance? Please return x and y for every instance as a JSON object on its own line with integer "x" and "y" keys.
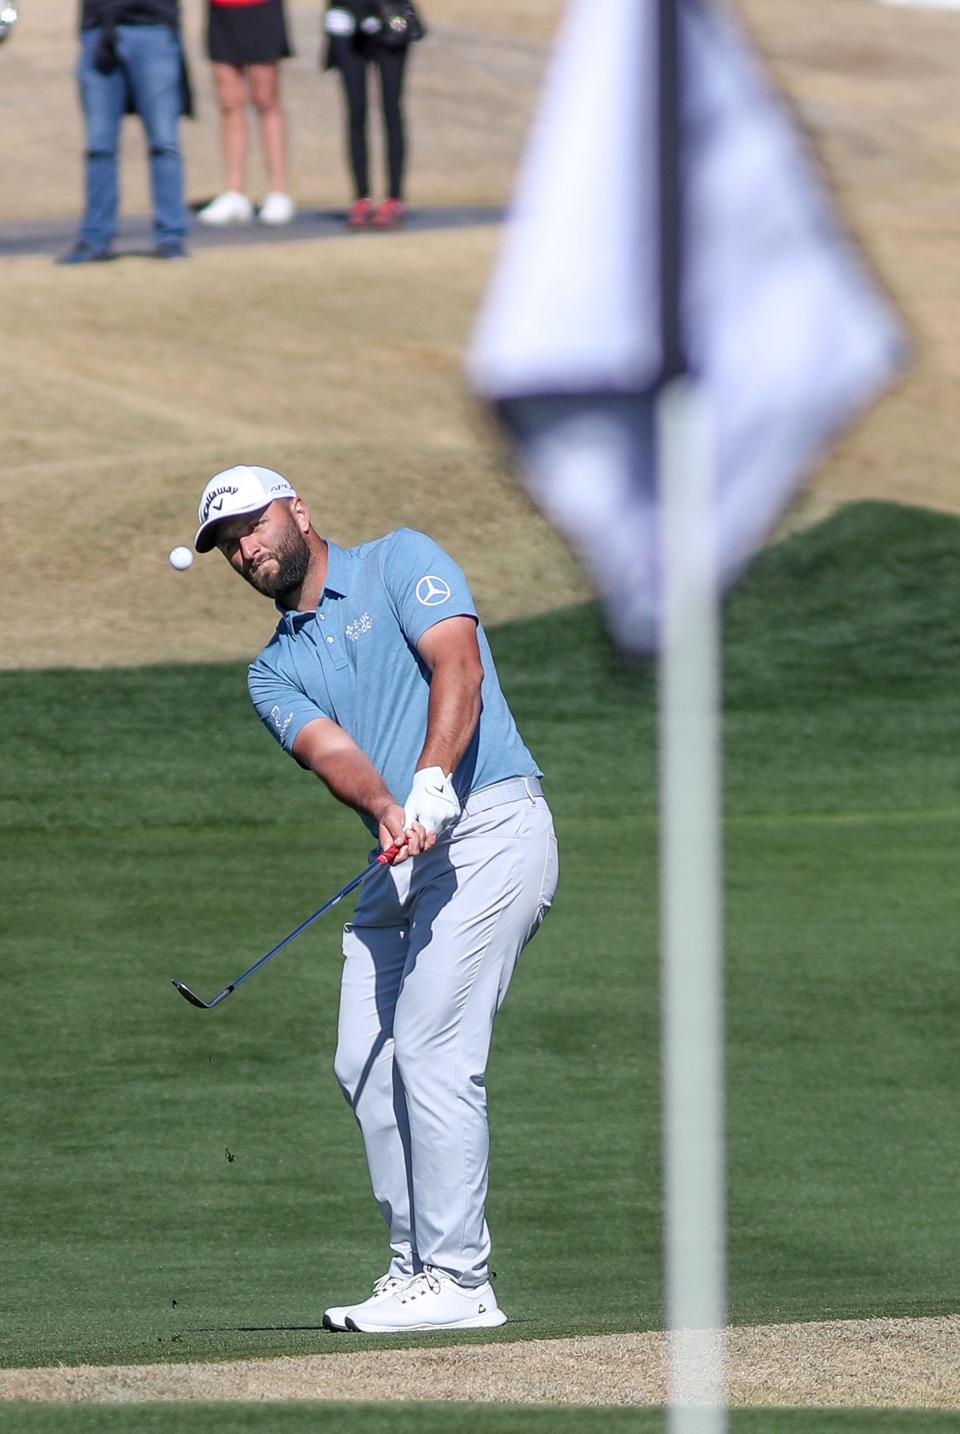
{"x": 514, "y": 789}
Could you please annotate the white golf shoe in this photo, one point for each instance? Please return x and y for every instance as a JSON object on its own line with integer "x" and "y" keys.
{"x": 230, "y": 207}
{"x": 277, "y": 208}
{"x": 336, "y": 1316}
{"x": 430, "y": 1300}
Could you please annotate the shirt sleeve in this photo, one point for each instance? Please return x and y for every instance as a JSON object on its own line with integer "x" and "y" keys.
{"x": 424, "y": 583}
{"x": 282, "y": 706}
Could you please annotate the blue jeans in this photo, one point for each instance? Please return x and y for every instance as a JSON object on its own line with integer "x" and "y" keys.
{"x": 149, "y": 71}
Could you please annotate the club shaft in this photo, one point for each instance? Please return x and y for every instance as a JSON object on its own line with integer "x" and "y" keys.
{"x": 321, "y": 911}
{"x": 385, "y": 858}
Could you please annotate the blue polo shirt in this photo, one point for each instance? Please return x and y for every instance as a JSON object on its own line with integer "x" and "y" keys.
{"x": 354, "y": 660}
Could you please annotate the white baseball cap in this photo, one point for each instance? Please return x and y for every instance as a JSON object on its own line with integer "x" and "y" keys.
{"x": 234, "y": 491}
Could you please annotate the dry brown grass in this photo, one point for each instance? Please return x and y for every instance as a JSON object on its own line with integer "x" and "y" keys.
{"x": 127, "y": 395}
{"x": 877, "y": 90}
{"x": 338, "y": 362}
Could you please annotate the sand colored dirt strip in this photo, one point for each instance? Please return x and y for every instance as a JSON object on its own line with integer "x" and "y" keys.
{"x": 907, "y": 1363}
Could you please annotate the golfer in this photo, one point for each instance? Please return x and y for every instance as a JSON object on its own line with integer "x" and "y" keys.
{"x": 379, "y": 680}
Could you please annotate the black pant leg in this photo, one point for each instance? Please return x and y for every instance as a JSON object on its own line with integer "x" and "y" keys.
{"x": 392, "y": 64}
{"x": 353, "y": 72}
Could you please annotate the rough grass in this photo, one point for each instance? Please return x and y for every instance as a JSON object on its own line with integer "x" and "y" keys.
{"x": 339, "y": 361}
{"x": 358, "y": 400}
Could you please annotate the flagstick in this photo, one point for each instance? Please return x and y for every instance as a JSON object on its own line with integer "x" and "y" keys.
{"x": 691, "y": 941}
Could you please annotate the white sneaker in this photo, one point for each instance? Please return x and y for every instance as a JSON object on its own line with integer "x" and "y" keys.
{"x": 430, "y": 1300}
{"x": 228, "y": 208}
{"x": 336, "y": 1316}
{"x": 277, "y": 208}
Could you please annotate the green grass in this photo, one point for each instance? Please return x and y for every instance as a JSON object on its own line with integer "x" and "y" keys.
{"x": 149, "y": 829}
{"x": 199, "y": 1418}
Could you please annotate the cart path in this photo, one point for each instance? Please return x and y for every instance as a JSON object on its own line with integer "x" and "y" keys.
{"x": 134, "y": 238}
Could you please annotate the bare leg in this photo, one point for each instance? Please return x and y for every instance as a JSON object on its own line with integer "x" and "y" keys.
{"x": 232, "y": 97}
{"x": 265, "y": 94}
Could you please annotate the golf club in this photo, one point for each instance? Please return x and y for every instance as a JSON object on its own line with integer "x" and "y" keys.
{"x": 383, "y": 859}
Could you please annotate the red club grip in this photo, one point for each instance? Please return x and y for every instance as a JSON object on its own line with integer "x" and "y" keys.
{"x": 391, "y": 853}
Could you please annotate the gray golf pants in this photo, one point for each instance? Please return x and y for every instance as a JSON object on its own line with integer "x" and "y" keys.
{"x": 428, "y": 958}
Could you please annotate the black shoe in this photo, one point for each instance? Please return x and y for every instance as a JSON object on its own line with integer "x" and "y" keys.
{"x": 84, "y": 253}
{"x": 172, "y": 249}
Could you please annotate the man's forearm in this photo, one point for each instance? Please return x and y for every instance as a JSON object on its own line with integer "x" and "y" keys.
{"x": 353, "y": 780}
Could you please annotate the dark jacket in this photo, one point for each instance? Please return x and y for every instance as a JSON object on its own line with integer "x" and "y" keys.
{"x": 365, "y": 43}
{"x": 129, "y": 12}
{"x": 360, "y": 10}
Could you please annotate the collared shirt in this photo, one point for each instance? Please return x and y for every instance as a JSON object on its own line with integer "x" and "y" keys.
{"x": 354, "y": 660}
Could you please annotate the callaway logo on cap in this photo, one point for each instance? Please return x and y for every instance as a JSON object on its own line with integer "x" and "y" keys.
{"x": 234, "y": 491}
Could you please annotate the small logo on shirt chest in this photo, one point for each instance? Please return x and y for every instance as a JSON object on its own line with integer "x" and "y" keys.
{"x": 359, "y": 626}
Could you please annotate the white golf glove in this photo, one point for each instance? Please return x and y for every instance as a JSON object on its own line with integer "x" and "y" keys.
{"x": 432, "y": 801}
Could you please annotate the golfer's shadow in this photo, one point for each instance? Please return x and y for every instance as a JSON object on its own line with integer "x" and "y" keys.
{"x": 253, "y": 1328}
{"x": 320, "y": 1329}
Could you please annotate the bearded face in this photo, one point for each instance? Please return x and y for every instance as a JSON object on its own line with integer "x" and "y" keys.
{"x": 269, "y": 550}
{"x": 281, "y": 564}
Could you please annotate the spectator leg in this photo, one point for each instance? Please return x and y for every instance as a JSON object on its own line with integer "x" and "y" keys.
{"x": 265, "y": 93}
{"x": 353, "y": 72}
{"x": 392, "y": 64}
{"x": 151, "y": 54}
{"x": 102, "y": 98}
{"x": 231, "y": 87}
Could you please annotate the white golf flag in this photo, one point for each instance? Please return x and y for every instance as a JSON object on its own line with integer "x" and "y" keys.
{"x": 785, "y": 332}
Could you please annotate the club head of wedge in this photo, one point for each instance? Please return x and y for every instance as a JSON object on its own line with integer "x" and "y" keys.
{"x": 195, "y": 1000}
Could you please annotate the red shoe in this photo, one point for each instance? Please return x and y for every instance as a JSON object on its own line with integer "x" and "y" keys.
{"x": 361, "y": 213}
{"x": 388, "y": 214}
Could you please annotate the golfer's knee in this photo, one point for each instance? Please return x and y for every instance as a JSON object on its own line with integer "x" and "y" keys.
{"x": 348, "y": 1063}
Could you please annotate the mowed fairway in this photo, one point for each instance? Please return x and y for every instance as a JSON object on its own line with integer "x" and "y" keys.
{"x": 182, "y": 846}
{"x": 181, "y": 1185}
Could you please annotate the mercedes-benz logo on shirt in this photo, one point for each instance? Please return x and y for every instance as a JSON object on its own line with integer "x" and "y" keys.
{"x": 432, "y": 591}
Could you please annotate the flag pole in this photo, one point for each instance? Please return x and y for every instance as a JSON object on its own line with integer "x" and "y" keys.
{"x": 690, "y": 825}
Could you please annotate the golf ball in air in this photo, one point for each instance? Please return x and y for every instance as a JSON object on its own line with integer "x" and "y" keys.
{"x": 180, "y": 558}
